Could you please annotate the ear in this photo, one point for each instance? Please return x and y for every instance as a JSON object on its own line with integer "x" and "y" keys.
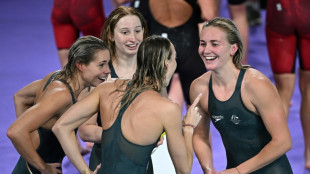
{"x": 111, "y": 38}
{"x": 79, "y": 66}
{"x": 233, "y": 49}
{"x": 166, "y": 63}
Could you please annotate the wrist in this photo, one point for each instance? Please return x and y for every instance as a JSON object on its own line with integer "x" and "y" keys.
{"x": 189, "y": 125}
{"x": 189, "y": 129}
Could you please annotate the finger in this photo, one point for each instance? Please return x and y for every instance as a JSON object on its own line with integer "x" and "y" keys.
{"x": 97, "y": 169}
{"x": 54, "y": 164}
{"x": 196, "y": 101}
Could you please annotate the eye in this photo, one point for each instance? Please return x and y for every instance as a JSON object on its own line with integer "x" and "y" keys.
{"x": 138, "y": 31}
{"x": 102, "y": 64}
{"x": 202, "y": 44}
{"x": 125, "y": 32}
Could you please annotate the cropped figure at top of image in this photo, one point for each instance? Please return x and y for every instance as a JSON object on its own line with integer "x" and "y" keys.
{"x": 242, "y": 104}
{"x": 288, "y": 27}
{"x": 31, "y": 133}
{"x": 70, "y": 18}
{"x": 132, "y": 105}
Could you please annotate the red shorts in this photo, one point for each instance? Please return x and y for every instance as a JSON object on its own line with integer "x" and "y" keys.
{"x": 70, "y": 17}
{"x": 288, "y": 31}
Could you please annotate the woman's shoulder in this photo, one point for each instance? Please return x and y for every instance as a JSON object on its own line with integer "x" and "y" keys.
{"x": 201, "y": 82}
{"x": 254, "y": 76}
{"x": 255, "y": 80}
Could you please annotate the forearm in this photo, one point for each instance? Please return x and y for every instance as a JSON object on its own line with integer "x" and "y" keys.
{"x": 24, "y": 146}
{"x": 22, "y": 103}
{"x": 204, "y": 154}
{"x": 68, "y": 141}
{"x": 90, "y": 133}
{"x": 25, "y": 97}
{"x": 188, "y": 137}
{"x": 268, "y": 154}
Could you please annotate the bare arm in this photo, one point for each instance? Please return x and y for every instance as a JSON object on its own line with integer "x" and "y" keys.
{"x": 25, "y": 97}
{"x": 180, "y": 145}
{"x": 201, "y": 139}
{"x": 90, "y": 131}
{"x": 266, "y": 100}
{"x": 70, "y": 120}
{"x": 202, "y": 145}
{"x": 20, "y": 131}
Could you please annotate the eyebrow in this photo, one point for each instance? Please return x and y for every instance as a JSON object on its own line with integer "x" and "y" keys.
{"x": 104, "y": 61}
{"x": 126, "y": 28}
{"x": 214, "y": 41}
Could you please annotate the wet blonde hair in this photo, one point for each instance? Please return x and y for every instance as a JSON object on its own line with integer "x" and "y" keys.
{"x": 233, "y": 36}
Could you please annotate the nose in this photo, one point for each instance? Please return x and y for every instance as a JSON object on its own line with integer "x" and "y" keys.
{"x": 107, "y": 70}
{"x": 132, "y": 36}
{"x": 206, "y": 49}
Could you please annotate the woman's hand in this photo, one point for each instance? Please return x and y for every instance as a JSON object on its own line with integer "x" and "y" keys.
{"x": 193, "y": 116}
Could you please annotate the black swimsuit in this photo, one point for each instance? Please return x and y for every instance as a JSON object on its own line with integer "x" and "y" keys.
{"x": 49, "y": 149}
{"x": 120, "y": 156}
{"x": 185, "y": 39}
{"x": 95, "y": 156}
{"x": 243, "y": 133}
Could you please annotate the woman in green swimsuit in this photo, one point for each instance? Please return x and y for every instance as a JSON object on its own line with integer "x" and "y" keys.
{"x": 31, "y": 133}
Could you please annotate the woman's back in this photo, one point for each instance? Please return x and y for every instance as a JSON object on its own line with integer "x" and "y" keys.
{"x": 130, "y": 135}
{"x": 170, "y": 13}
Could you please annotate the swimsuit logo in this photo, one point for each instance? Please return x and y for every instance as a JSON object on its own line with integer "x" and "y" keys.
{"x": 217, "y": 117}
{"x": 235, "y": 119}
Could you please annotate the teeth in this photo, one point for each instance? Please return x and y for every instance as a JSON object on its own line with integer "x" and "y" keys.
{"x": 102, "y": 78}
{"x": 132, "y": 45}
{"x": 210, "y": 57}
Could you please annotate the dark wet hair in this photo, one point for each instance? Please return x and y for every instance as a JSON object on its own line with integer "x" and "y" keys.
{"x": 82, "y": 51}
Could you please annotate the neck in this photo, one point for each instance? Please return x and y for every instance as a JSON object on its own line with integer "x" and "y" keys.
{"x": 225, "y": 77}
{"x": 125, "y": 67}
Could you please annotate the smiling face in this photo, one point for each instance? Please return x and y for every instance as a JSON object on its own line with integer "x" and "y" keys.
{"x": 214, "y": 48}
{"x": 128, "y": 34}
{"x": 97, "y": 70}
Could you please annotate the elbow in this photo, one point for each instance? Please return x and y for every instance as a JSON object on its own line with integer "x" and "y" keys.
{"x": 288, "y": 145}
{"x": 56, "y": 129}
{"x": 16, "y": 97}
{"x": 284, "y": 145}
{"x": 12, "y": 133}
{"x": 188, "y": 171}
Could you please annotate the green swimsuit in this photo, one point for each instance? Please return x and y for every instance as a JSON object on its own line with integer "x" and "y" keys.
{"x": 243, "y": 133}
{"x": 49, "y": 149}
{"x": 119, "y": 156}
